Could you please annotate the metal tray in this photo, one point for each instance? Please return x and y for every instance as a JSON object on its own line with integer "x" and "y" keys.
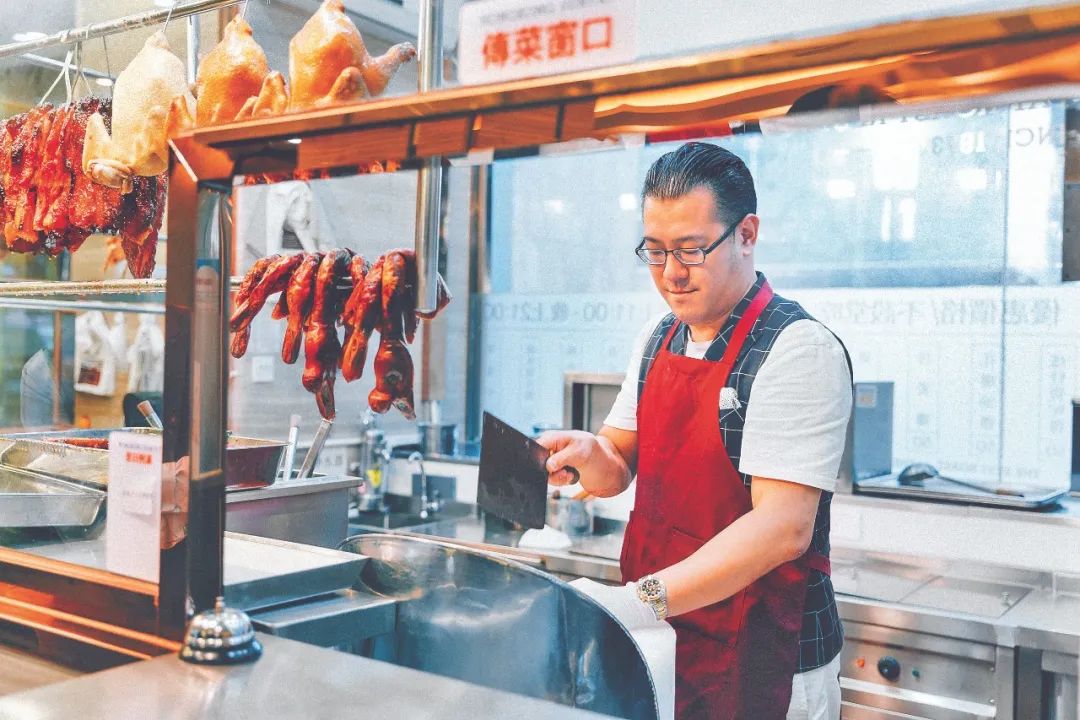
{"x": 942, "y": 490}
{"x": 31, "y": 500}
{"x": 262, "y": 572}
{"x": 249, "y": 462}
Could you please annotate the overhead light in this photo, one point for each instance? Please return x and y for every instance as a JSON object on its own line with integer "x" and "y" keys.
{"x": 28, "y": 36}
{"x": 295, "y": 141}
{"x": 104, "y": 82}
{"x": 164, "y": 3}
{"x": 628, "y": 201}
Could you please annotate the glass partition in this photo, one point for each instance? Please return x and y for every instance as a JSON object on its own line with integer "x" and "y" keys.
{"x": 929, "y": 241}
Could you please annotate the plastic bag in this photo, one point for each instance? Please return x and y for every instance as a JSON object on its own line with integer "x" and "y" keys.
{"x": 95, "y": 364}
{"x": 146, "y": 357}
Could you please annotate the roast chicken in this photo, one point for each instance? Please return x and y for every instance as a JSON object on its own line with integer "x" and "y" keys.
{"x": 240, "y": 338}
{"x": 299, "y": 296}
{"x": 322, "y": 347}
{"x": 362, "y": 313}
{"x": 142, "y": 96}
{"x": 329, "y": 63}
{"x": 48, "y": 204}
{"x": 319, "y": 292}
{"x": 228, "y": 83}
{"x": 393, "y": 378}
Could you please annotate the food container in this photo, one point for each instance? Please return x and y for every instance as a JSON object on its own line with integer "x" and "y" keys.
{"x": 31, "y": 500}
{"x": 249, "y": 462}
{"x": 572, "y": 516}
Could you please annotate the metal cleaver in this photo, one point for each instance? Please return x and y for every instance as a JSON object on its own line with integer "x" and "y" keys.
{"x": 513, "y": 476}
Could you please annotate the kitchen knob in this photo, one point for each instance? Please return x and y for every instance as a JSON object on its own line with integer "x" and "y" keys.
{"x": 889, "y": 667}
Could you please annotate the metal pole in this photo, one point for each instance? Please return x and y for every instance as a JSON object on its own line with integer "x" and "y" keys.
{"x": 192, "y": 48}
{"x": 429, "y": 178}
{"x": 58, "y": 365}
{"x": 196, "y": 384}
{"x": 111, "y": 27}
{"x": 48, "y": 62}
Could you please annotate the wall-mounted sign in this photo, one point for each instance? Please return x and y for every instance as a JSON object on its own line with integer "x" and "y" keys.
{"x": 504, "y": 40}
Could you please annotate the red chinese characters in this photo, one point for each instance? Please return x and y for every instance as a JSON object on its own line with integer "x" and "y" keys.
{"x": 596, "y": 33}
{"x": 528, "y": 44}
{"x": 496, "y": 49}
{"x": 138, "y": 458}
{"x": 555, "y": 41}
{"x": 562, "y": 39}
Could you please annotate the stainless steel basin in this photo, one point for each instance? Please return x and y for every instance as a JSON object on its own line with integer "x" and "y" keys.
{"x": 489, "y": 620}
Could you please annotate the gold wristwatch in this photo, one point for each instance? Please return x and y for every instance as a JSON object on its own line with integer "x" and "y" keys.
{"x": 652, "y": 591}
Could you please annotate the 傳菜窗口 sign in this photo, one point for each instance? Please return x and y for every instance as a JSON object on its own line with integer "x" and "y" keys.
{"x": 503, "y": 40}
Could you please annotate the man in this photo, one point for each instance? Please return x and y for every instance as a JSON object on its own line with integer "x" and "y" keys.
{"x": 733, "y": 415}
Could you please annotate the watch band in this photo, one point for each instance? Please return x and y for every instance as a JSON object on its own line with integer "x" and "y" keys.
{"x": 652, "y": 591}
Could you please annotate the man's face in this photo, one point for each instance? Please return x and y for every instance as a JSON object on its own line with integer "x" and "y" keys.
{"x": 696, "y": 294}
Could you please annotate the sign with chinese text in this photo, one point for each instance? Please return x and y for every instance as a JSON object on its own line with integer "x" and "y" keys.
{"x": 133, "y": 528}
{"x": 504, "y": 40}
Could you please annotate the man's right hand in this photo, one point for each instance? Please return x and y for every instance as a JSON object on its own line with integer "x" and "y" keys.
{"x": 599, "y": 463}
{"x": 569, "y": 449}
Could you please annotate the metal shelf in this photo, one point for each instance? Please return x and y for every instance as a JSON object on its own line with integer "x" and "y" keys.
{"x": 989, "y": 53}
{"x": 81, "y": 295}
{"x": 80, "y": 288}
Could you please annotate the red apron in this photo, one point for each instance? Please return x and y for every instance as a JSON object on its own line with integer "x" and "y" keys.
{"x": 735, "y": 658}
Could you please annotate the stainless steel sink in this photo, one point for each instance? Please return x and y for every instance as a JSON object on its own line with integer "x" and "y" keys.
{"x": 400, "y": 513}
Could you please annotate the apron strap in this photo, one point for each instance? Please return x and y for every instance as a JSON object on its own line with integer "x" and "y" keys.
{"x": 818, "y": 561}
{"x": 743, "y": 327}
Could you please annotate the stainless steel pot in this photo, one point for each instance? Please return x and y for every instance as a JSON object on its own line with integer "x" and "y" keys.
{"x": 573, "y": 517}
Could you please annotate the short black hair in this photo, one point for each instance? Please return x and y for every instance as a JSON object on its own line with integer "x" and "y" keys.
{"x": 698, "y": 164}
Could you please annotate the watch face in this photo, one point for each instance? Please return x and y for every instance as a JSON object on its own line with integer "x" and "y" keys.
{"x": 650, "y": 588}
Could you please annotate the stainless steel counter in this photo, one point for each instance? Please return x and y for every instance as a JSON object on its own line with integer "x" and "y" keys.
{"x": 595, "y": 557}
{"x": 312, "y": 511}
{"x": 292, "y": 680}
{"x": 1065, "y": 512}
{"x": 995, "y": 605}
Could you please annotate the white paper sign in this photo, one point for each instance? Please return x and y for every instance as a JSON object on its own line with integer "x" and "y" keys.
{"x": 133, "y": 529}
{"x": 508, "y": 39}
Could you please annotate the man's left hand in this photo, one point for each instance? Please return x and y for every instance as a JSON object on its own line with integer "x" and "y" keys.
{"x": 621, "y": 601}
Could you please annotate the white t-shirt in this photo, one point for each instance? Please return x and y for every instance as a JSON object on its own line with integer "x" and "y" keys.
{"x": 800, "y": 403}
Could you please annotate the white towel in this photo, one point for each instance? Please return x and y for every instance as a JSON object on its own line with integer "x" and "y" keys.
{"x": 655, "y": 638}
{"x": 547, "y": 539}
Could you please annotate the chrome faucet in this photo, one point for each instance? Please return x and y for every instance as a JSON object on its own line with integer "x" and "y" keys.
{"x": 430, "y": 503}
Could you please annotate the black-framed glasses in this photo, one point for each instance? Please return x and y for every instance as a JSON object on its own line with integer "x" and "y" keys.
{"x": 686, "y": 256}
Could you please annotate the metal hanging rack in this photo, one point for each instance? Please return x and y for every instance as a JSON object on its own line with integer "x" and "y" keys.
{"x": 32, "y": 295}
{"x": 111, "y": 27}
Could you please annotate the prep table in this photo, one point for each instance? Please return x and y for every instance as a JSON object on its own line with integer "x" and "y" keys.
{"x": 924, "y": 637}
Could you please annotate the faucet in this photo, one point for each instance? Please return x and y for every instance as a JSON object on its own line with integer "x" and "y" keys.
{"x": 430, "y": 503}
